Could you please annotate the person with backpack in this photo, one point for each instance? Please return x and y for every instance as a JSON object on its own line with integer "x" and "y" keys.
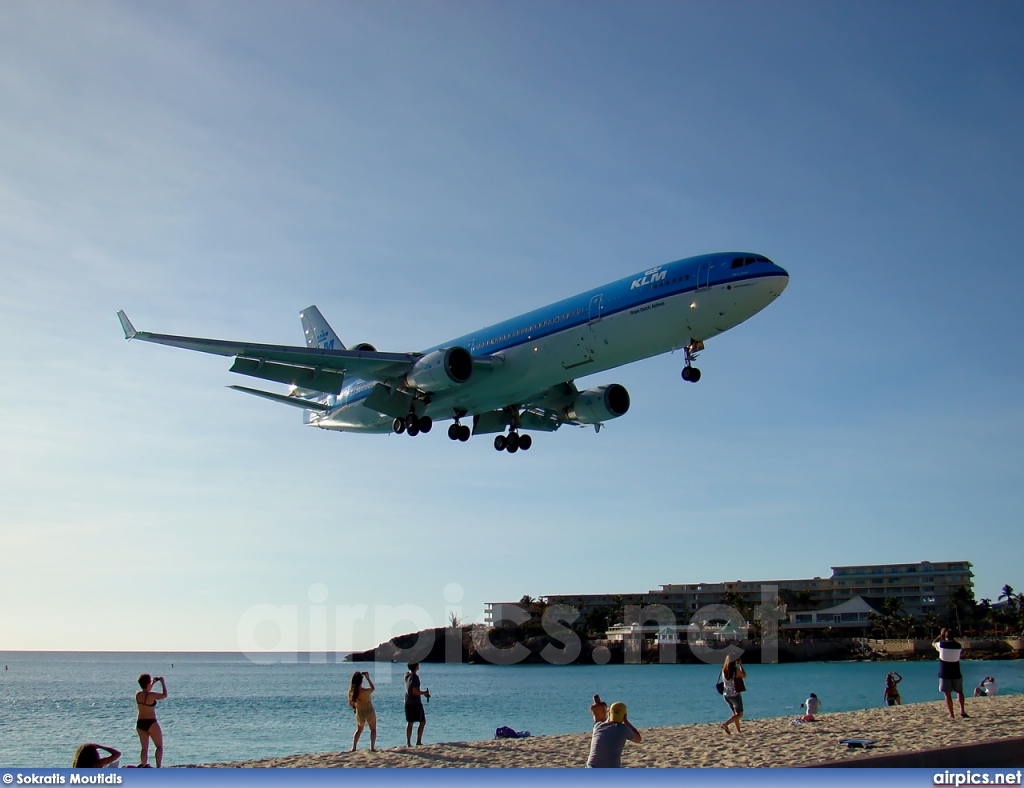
{"x": 732, "y": 685}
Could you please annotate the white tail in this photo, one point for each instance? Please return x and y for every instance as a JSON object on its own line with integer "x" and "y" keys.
{"x": 318, "y": 331}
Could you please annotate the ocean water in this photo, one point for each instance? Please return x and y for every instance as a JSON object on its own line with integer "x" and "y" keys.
{"x": 223, "y": 707}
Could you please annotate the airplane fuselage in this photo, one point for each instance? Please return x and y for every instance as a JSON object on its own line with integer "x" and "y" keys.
{"x": 655, "y": 311}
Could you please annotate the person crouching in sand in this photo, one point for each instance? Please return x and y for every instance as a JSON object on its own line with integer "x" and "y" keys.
{"x": 88, "y": 756}
{"x": 811, "y": 707}
{"x": 611, "y": 732}
{"x": 359, "y": 698}
{"x": 987, "y": 689}
{"x": 732, "y": 677}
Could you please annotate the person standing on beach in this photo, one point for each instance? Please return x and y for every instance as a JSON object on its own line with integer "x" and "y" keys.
{"x": 950, "y": 678}
{"x": 612, "y": 730}
{"x": 732, "y": 677}
{"x": 414, "y": 712}
{"x": 359, "y": 698}
{"x": 891, "y": 696}
{"x": 146, "y": 726}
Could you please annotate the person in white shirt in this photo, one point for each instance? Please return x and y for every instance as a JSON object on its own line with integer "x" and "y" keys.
{"x": 811, "y": 707}
{"x": 987, "y": 689}
{"x": 950, "y": 678}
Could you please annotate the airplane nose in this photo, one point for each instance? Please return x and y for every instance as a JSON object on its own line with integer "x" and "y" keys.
{"x": 782, "y": 281}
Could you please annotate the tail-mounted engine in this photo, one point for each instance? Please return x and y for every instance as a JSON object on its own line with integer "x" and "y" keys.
{"x": 441, "y": 370}
{"x": 601, "y": 404}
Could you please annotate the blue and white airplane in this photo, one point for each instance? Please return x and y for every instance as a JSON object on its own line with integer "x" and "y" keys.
{"x": 514, "y": 376}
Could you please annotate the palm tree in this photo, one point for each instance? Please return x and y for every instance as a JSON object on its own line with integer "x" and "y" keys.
{"x": 1007, "y": 594}
{"x": 961, "y": 601}
{"x": 734, "y": 599}
{"x": 881, "y": 621}
{"x": 931, "y": 624}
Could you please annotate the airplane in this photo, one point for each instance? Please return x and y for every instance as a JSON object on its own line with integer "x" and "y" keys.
{"x": 513, "y": 377}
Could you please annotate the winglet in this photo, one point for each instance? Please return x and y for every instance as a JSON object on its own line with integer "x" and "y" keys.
{"x": 126, "y": 324}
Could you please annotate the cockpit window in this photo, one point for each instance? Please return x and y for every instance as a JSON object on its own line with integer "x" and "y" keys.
{"x": 739, "y": 262}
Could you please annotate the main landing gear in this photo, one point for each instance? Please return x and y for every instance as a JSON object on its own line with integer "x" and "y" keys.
{"x": 690, "y": 373}
{"x": 412, "y": 424}
{"x": 459, "y": 431}
{"x": 513, "y": 442}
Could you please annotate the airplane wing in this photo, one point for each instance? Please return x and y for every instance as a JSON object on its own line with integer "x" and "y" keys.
{"x": 563, "y": 403}
{"x": 311, "y": 368}
{"x": 543, "y": 412}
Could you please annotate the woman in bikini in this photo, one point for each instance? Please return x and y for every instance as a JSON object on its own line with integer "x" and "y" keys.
{"x": 147, "y": 727}
{"x": 892, "y": 692}
{"x": 359, "y": 699}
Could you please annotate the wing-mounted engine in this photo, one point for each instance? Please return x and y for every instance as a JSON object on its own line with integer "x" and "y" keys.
{"x": 441, "y": 369}
{"x": 594, "y": 406}
{"x": 364, "y": 347}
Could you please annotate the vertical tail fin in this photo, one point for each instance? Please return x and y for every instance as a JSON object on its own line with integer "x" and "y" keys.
{"x": 318, "y": 331}
{"x": 319, "y": 334}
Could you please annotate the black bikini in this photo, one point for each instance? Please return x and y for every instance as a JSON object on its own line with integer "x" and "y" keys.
{"x": 145, "y": 724}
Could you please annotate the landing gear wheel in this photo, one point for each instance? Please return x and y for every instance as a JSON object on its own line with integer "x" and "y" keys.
{"x": 512, "y": 442}
{"x": 398, "y": 425}
{"x": 499, "y": 442}
{"x": 525, "y": 442}
{"x": 512, "y": 448}
{"x": 413, "y": 428}
{"x": 453, "y": 432}
{"x": 425, "y": 424}
{"x": 691, "y": 374}
{"x": 464, "y": 433}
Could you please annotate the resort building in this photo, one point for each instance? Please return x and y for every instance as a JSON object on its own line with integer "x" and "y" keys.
{"x": 849, "y": 615}
{"x": 920, "y": 588}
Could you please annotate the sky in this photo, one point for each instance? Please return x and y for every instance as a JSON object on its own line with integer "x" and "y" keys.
{"x": 421, "y": 169}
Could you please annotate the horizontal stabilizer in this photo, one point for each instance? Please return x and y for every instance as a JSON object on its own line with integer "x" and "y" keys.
{"x": 295, "y": 402}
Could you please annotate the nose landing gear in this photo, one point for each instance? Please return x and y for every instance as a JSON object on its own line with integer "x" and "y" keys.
{"x": 690, "y": 373}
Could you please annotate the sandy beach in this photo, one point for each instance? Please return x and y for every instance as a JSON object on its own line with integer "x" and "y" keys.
{"x": 764, "y": 742}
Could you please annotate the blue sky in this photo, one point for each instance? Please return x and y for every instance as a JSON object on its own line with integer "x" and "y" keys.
{"x": 418, "y": 170}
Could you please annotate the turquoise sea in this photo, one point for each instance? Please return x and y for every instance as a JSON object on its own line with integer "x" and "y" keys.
{"x": 223, "y": 707}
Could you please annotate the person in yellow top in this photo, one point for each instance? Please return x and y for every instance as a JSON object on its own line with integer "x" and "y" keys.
{"x": 359, "y": 698}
